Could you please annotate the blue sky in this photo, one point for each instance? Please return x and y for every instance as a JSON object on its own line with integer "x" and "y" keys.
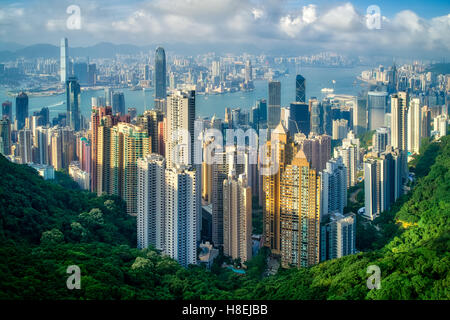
{"x": 410, "y": 27}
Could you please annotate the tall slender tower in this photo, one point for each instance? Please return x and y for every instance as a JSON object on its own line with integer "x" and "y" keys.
{"x": 300, "y": 90}
{"x": 182, "y": 186}
{"x": 180, "y": 117}
{"x": 274, "y": 106}
{"x": 64, "y": 63}
{"x": 414, "y": 126}
{"x": 237, "y": 218}
{"x": 73, "y": 103}
{"x": 151, "y": 202}
{"x": 278, "y": 149}
{"x": 21, "y": 110}
{"x": 160, "y": 74}
{"x": 300, "y": 214}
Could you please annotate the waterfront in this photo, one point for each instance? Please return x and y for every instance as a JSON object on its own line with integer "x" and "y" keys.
{"x": 208, "y": 105}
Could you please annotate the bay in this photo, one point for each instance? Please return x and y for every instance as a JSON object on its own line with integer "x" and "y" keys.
{"x": 208, "y": 105}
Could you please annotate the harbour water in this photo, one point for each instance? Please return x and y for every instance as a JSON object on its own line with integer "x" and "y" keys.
{"x": 208, "y": 105}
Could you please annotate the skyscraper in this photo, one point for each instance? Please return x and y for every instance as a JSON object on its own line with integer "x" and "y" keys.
{"x": 128, "y": 143}
{"x": 5, "y": 135}
{"x": 180, "y": 117}
{"x": 317, "y": 150}
{"x": 382, "y": 180}
{"x": 338, "y": 236}
{"x": 334, "y": 188}
{"x": 7, "y": 110}
{"x": 279, "y": 150}
{"x": 118, "y": 103}
{"x": 262, "y": 106}
{"x": 21, "y": 110}
{"x": 414, "y": 126}
{"x": 160, "y": 74}
{"x": 315, "y": 109}
{"x": 274, "y": 106}
{"x": 300, "y": 90}
{"x": 381, "y": 139}
{"x": 64, "y": 61}
{"x": 181, "y": 210}
{"x": 25, "y": 146}
{"x": 237, "y": 218}
{"x": 399, "y": 130}
{"x": 360, "y": 115}
{"x": 299, "y": 214}
{"x": 299, "y": 118}
{"x": 376, "y": 108}
{"x": 151, "y": 202}
{"x": 73, "y": 103}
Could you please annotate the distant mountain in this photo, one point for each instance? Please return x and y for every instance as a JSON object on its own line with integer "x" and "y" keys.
{"x": 100, "y": 50}
{"x": 12, "y": 52}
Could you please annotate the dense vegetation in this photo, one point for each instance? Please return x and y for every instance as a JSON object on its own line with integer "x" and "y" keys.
{"x": 45, "y": 227}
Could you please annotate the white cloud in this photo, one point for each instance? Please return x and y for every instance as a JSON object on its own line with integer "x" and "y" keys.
{"x": 270, "y": 24}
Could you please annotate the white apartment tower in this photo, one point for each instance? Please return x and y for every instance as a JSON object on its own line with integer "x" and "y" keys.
{"x": 182, "y": 214}
{"x": 151, "y": 202}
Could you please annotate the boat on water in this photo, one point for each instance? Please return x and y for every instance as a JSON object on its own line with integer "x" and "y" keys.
{"x": 327, "y": 90}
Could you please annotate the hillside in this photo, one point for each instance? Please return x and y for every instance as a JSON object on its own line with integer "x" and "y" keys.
{"x": 44, "y": 228}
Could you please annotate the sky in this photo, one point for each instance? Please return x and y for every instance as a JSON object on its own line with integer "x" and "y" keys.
{"x": 407, "y": 28}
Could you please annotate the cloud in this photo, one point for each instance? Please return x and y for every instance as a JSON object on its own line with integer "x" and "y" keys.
{"x": 269, "y": 25}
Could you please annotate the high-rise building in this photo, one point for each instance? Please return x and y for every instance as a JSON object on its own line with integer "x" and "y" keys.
{"x": 219, "y": 173}
{"x": 315, "y": 110}
{"x": 360, "y": 115}
{"x": 73, "y": 103}
{"x": 182, "y": 214}
{"x": 25, "y": 145}
{"x": 425, "y": 125}
{"x": 160, "y": 74}
{"x": 414, "y": 126}
{"x": 381, "y": 139}
{"x": 118, "y": 103}
{"x": 5, "y": 135}
{"x": 80, "y": 71}
{"x": 279, "y": 152}
{"x": 338, "y": 236}
{"x": 237, "y": 218}
{"x": 376, "y": 108}
{"x": 316, "y": 148}
{"x": 340, "y": 129}
{"x": 274, "y": 106}
{"x": 300, "y": 90}
{"x": 64, "y": 60}
{"x": 262, "y": 106}
{"x": 180, "y": 128}
{"x": 299, "y": 214}
{"x": 7, "y": 110}
{"x": 440, "y": 125}
{"x": 334, "y": 188}
{"x": 21, "y": 110}
{"x": 382, "y": 180}
{"x": 128, "y": 143}
{"x": 150, "y": 121}
{"x": 151, "y": 202}
{"x": 399, "y": 129}
{"x": 299, "y": 118}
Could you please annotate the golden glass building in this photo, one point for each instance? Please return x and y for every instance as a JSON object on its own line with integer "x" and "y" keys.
{"x": 278, "y": 149}
{"x": 299, "y": 214}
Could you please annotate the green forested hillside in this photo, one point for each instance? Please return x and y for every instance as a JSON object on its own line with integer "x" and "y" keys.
{"x": 44, "y": 228}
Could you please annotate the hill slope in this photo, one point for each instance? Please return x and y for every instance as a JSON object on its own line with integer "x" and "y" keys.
{"x": 44, "y": 228}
